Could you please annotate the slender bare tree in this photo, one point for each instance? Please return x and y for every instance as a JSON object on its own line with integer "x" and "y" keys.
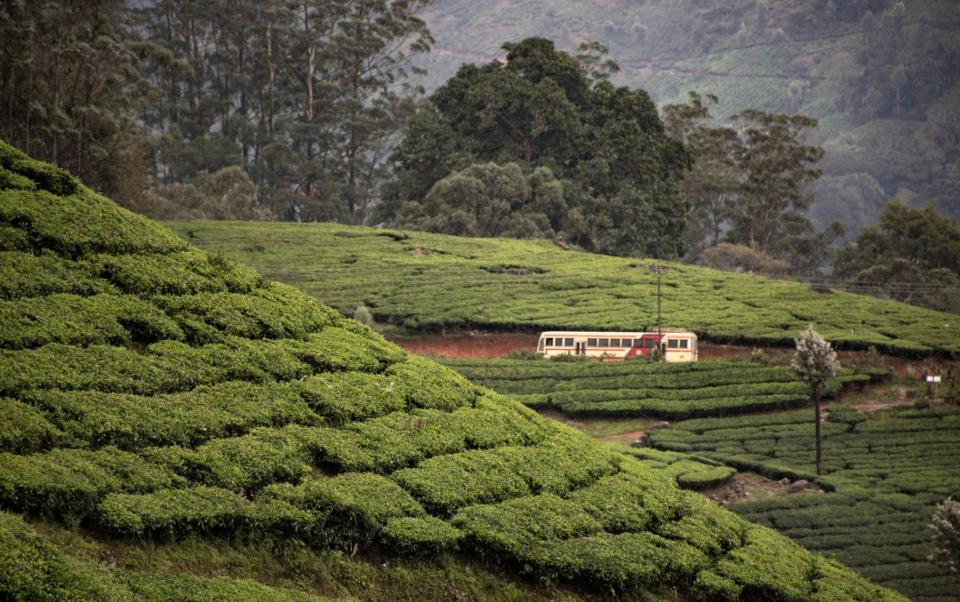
{"x": 815, "y": 361}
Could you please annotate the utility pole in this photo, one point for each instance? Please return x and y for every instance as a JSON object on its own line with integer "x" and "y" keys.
{"x": 659, "y": 270}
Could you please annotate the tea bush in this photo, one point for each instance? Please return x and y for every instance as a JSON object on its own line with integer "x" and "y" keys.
{"x": 165, "y": 400}
{"x": 563, "y": 289}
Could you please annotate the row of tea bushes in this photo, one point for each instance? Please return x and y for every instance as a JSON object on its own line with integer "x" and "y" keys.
{"x": 641, "y": 388}
{"x": 885, "y": 473}
{"x": 305, "y": 382}
{"x": 432, "y": 281}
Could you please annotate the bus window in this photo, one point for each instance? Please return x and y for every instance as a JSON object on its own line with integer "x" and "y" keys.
{"x": 683, "y": 343}
{"x": 604, "y": 343}
{"x": 568, "y": 343}
{"x": 614, "y": 342}
{"x": 647, "y": 343}
{"x": 591, "y": 342}
{"x": 550, "y": 342}
{"x": 672, "y": 343}
{"x": 540, "y": 345}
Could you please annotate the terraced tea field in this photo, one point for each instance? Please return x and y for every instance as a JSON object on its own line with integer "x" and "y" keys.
{"x": 175, "y": 407}
{"x": 886, "y": 473}
{"x": 424, "y": 280}
{"x": 643, "y": 388}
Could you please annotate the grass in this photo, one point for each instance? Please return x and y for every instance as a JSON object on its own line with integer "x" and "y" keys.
{"x": 168, "y": 397}
{"x": 429, "y": 281}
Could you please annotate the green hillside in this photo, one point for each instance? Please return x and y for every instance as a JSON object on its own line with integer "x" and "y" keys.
{"x": 887, "y": 472}
{"x": 424, "y": 280}
{"x": 884, "y": 472}
{"x": 153, "y": 393}
{"x": 877, "y": 74}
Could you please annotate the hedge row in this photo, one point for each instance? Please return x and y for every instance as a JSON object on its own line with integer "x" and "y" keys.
{"x": 65, "y": 228}
{"x": 563, "y": 289}
{"x": 73, "y": 320}
{"x": 561, "y": 462}
{"x": 888, "y": 471}
{"x": 689, "y": 471}
{"x": 24, "y": 429}
{"x": 273, "y": 312}
{"x": 171, "y": 366}
{"x": 181, "y": 273}
{"x": 46, "y": 273}
{"x": 263, "y": 456}
{"x": 400, "y": 439}
{"x": 134, "y": 421}
{"x": 638, "y": 388}
{"x": 68, "y": 483}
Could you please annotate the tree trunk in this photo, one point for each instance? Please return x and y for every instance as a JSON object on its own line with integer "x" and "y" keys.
{"x": 816, "y": 406}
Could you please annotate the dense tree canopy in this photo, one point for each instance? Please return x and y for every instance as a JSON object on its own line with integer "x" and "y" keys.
{"x": 303, "y": 95}
{"x": 543, "y": 108}
{"x": 912, "y": 255}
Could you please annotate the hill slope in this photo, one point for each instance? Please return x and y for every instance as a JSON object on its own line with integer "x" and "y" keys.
{"x": 152, "y": 392}
{"x": 432, "y": 281}
{"x": 878, "y": 74}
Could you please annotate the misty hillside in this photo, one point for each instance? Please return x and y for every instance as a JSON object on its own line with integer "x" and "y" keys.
{"x": 882, "y": 77}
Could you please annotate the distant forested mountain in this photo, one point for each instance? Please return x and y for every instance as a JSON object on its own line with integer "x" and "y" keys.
{"x": 881, "y": 76}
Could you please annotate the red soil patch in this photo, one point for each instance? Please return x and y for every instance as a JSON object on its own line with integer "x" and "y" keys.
{"x": 470, "y": 345}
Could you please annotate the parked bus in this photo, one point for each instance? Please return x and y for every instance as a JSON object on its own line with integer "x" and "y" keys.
{"x": 675, "y": 345}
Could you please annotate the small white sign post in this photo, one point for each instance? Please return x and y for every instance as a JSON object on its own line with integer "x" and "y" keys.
{"x": 932, "y": 386}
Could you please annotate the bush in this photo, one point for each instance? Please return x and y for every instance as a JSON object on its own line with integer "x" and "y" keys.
{"x": 420, "y": 534}
{"x": 363, "y": 315}
{"x": 207, "y": 412}
{"x": 341, "y": 397}
{"x": 24, "y": 429}
{"x": 516, "y": 526}
{"x": 68, "y": 483}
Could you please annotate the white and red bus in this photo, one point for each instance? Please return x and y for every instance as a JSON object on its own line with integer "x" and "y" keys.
{"x": 675, "y": 345}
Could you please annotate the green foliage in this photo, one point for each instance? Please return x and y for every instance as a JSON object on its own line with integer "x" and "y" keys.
{"x": 617, "y": 170}
{"x": 96, "y": 320}
{"x": 517, "y": 526}
{"x": 342, "y": 397}
{"x": 560, "y": 463}
{"x": 672, "y": 391}
{"x": 68, "y": 483}
{"x": 885, "y": 474}
{"x": 183, "y": 273}
{"x": 25, "y": 274}
{"x": 171, "y": 511}
{"x": 66, "y": 230}
{"x": 188, "y": 588}
{"x": 423, "y": 385}
{"x": 912, "y": 255}
{"x": 136, "y": 421}
{"x": 275, "y": 312}
{"x": 271, "y": 434}
{"x": 435, "y": 281}
{"x": 490, "y": 200}
{"x": 24, "y": 429}
{"x": 32, "y": 568}
{"x": 420, "y": 534}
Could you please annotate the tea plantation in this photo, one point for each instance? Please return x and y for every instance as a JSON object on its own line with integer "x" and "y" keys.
{"x": 154, "y": 395}
{"x": 884, "y": 475}
{"x": 644, "y": 388}
{"x": 431, "y": 281}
